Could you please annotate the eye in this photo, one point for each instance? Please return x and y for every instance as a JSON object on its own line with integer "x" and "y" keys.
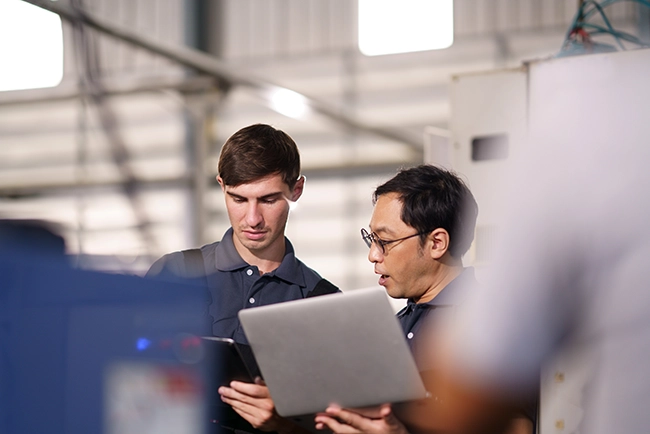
{"x": 238, "y": 199}
{"x": 269, "y": 201}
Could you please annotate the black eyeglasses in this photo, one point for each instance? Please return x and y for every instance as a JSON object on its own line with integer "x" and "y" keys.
{"x": 370, "y": 238}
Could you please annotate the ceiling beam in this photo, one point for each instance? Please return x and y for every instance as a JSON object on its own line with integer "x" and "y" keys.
{"x": 50, "y": 187}
{"x": 226, "y": 74}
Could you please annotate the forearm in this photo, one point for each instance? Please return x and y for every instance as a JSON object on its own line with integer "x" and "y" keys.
{"x": 520, "y": 425}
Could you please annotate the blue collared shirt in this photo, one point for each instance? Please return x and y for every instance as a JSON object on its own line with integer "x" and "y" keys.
{"x": 414, "y": 315}
{"x": 234, "y": 284}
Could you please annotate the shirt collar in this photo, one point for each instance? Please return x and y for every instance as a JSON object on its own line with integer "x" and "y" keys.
{"x": 228, "y": 259}
{"x": 455, "y": 292}
{"x": 226, "y": 256}
{"x": 289, "y": 269}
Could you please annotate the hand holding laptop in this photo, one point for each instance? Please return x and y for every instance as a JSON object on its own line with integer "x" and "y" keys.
{"x": 375, "y": 420}
{"x": 347, "y": 349}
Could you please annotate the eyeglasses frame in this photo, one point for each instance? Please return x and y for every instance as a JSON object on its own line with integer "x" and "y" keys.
{"x": 372, "y": 237}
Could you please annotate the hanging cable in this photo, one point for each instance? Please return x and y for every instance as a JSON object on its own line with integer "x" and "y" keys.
{"x": 580, "y": 31}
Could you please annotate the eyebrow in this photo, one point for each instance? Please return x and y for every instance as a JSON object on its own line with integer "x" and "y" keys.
{"x": 265, "y": 197}
{"x": 383, "y": 229}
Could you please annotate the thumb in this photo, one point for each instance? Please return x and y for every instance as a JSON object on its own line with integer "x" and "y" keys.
{"x": 390, "y": 419}
{"x": 385, "y": 410}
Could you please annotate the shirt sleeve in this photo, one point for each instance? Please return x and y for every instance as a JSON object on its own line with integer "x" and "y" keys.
{"x": 170, "y": 266}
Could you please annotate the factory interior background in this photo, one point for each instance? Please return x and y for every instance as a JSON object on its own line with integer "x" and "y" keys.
{"x": 120, "y": 147}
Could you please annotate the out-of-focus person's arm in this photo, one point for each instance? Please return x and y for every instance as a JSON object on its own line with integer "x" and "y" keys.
{"x": 253, "y": 402}
{"x": 520, "y": 425}
{"x": 461, "y": 408}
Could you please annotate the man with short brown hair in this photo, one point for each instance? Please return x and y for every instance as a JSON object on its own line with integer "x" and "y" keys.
{"x": 254, "y": 264}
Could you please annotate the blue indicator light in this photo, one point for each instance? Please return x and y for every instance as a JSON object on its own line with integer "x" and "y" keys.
{"x": 142, "y": 344}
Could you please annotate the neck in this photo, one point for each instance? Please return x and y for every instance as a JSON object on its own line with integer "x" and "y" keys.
{"x": 447, "y": 271}
{"x": 267, "y": 259}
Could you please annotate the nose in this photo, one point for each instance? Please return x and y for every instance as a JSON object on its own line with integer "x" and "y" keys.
{"x": 374, "y": 254}
{"x": 254, "y": 217}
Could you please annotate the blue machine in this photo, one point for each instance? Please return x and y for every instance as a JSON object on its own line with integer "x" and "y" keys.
{"x": 88, "y": 352}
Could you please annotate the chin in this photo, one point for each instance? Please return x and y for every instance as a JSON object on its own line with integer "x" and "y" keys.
{"x": 393, "y": 294}
{"x": 256, "y": 245}
{"x": 252, "y": 244}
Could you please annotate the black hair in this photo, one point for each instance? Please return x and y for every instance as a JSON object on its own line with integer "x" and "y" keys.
{"x": 433, "y": 197}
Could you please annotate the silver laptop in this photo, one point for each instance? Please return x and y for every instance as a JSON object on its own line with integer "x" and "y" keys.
{"x": 346, "y": 348}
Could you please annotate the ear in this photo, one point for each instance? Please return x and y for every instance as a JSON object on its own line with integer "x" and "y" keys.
{"x": 221, "y": 183}
{"x": 439, "y": 242}
{"x": 298, "y": 188}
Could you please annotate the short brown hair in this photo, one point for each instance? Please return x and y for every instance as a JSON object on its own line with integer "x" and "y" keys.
{"x": 257, "y": 151}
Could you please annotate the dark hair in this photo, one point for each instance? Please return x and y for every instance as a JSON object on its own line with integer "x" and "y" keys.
{"x": 258, "y": 151}
{"x": 433, "y": 198}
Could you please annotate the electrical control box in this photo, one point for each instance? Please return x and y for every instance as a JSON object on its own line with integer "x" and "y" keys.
{"x": 488, "y": 127}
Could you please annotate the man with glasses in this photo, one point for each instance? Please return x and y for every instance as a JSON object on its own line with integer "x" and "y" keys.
{"x": 421, "y": 226}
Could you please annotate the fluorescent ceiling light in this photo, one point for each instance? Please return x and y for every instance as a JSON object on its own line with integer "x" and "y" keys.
{"x": 31, "y": 46}
{"x": 289, "y": 103}
{"x": 402, "y": 26}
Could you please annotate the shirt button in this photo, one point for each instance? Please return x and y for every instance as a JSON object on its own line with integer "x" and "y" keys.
{"x": 410, "y": 335}
{"x": 251, "y": 300}
{"x": 249, "y": 272}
